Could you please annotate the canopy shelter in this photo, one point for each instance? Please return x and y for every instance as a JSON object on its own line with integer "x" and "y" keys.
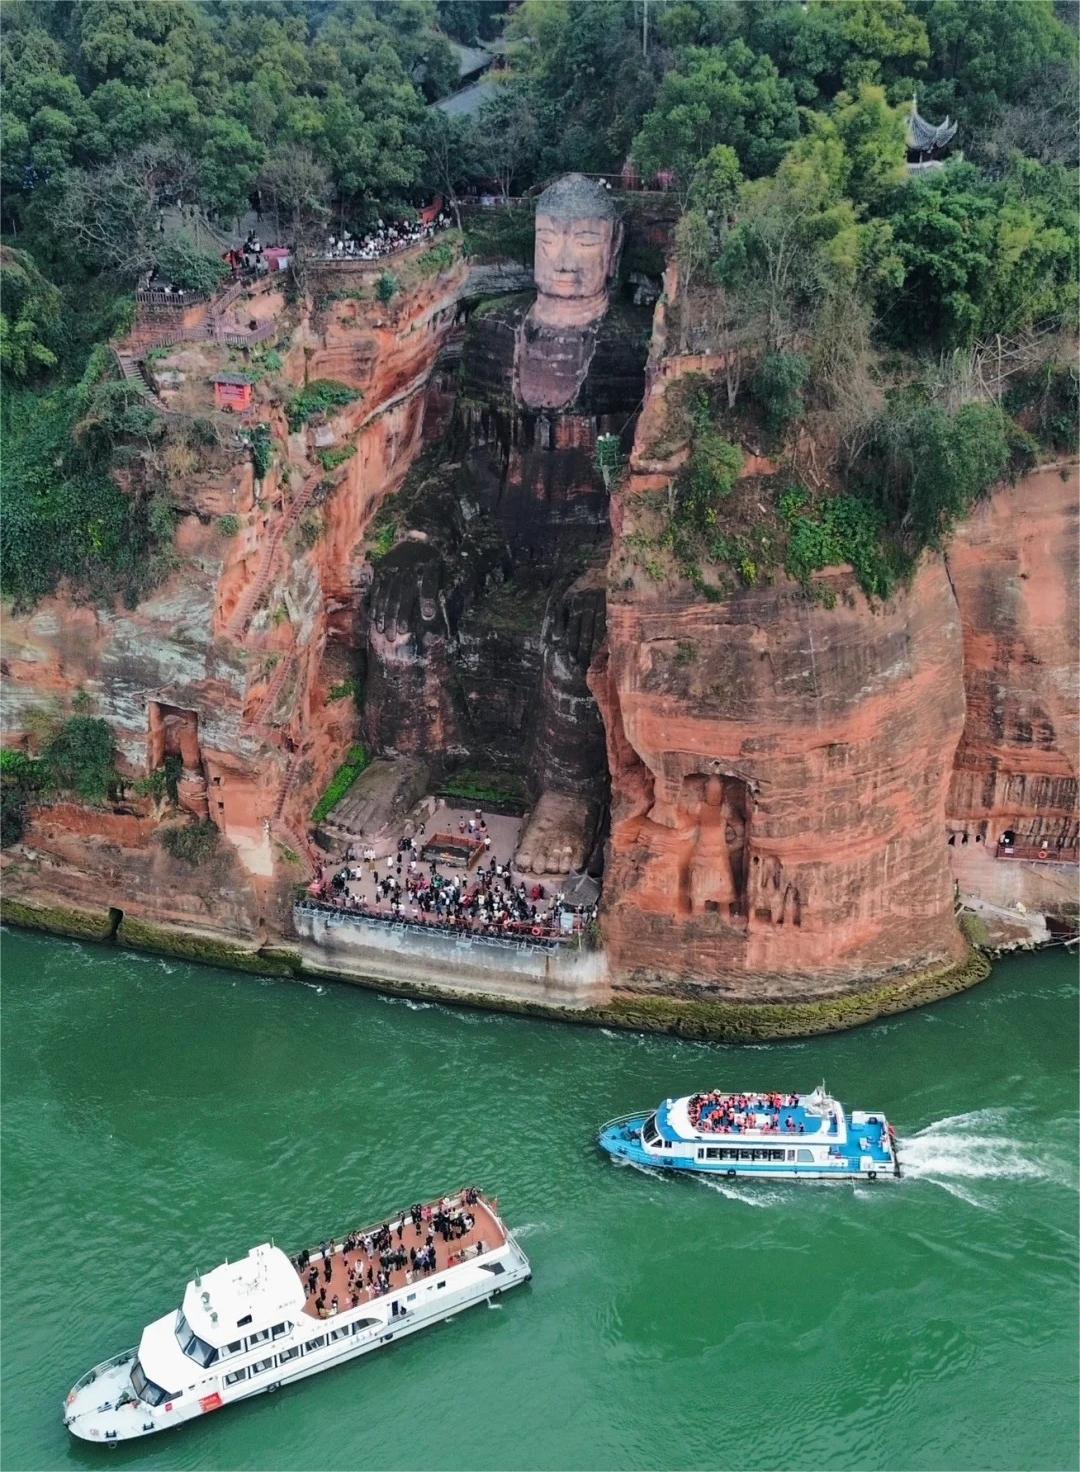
{"x": 581, "y": 891}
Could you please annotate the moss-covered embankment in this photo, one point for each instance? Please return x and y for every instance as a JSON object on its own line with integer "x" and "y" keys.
{"x": 143, "y": 935}
{"x": 711, "y": 1021}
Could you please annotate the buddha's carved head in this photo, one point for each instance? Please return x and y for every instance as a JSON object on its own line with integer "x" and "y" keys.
{"x": 578, "y": 236}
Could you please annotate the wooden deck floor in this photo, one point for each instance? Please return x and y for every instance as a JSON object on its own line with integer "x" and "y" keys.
{"x": 486, "y": 1229}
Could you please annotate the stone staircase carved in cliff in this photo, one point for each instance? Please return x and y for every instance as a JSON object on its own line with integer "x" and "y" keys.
{"x": 284, "y": 669}
{"x": 134, "y": 372}
{"x": 288, "y": 782}
{"x": 305, "y": 850}
{"x": 299, "y": 843}
{"x": 245, "y": 609}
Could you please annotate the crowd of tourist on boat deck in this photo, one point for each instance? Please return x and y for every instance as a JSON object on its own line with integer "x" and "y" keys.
{"x": 731, "y": 1113}
{"x": 485, "y": 901}
{"x": 382, "y": 1251}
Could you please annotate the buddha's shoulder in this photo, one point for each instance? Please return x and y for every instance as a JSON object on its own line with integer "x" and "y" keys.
{"x": 501, "y": 313}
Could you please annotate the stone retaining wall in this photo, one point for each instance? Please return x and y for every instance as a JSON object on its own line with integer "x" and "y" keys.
{"x": 353, "y": 946}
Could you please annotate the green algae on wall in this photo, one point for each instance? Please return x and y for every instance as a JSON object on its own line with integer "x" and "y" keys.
{"x": 709, "y": 1021}
{"x": 211, "y": 950}
{"x": 58, "y": 919}
{"x": 718, "y": 1022}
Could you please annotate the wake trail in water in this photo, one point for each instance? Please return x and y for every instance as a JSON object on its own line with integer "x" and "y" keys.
{"x": 958, "y": 1152}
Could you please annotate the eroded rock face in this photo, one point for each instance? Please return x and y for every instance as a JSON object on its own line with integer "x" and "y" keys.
{"x": 779, "y": 773}
{"x": 1013, "y": 565}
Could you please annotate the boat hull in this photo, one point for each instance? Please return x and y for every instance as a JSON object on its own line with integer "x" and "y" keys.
{"x": 621, "y": 1140}
{"x": 102, "y": 1407}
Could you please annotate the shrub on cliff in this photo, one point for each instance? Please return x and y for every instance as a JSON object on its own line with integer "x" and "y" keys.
{"x": 318, "y": 397}
{"x": 193, "y": 844}
{"x": 81, "y": 759}
{"x": 706, "y": 480}
{"x": 844, "y": 529}
{"x": 20, "y": 778}
{"x": 356, "y": 761}
{"x": 926, "y": 467}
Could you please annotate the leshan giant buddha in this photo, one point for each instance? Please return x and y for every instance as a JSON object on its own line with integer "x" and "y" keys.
{"x": 483, "y": 620}
{"x": 578, "y": 238}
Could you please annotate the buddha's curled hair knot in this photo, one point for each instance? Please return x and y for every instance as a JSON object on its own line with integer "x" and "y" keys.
{"x": 573, "y": 197}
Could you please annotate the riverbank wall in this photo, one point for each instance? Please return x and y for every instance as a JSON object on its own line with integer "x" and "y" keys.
{"x": 563, "y": 989}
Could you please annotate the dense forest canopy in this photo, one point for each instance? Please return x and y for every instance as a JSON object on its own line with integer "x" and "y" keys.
{"x": 779, "y": 124}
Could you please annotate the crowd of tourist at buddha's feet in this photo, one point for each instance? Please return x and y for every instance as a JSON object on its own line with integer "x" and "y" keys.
{"x": 724, "y": 1114}
{"x": 484, "y": 900}
{"x": 371, "y": 1258}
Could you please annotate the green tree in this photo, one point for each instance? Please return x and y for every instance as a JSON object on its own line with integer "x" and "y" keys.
{"x": 872, "y": 134}
{"x": 723, "y": 96}
{"x": 927, "y": 468}
{"x": 183, "y": 264}
{"x": 981, "y": 258}
{"x": 828, "y": 46}
{"x": 983, "y": 56}
{"x": 30, "y": 319}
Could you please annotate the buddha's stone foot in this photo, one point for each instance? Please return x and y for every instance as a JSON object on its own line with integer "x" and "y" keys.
{"x": 557, "y": 837}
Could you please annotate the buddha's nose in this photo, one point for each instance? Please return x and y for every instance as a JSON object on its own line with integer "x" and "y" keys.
{"x": 564, "y": 257}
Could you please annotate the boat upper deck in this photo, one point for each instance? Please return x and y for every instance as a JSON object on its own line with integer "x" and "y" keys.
{"x": 753, "y": 1116}
{"x": 371, "y": 1262}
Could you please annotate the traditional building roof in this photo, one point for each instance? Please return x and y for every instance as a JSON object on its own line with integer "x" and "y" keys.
{"x": 471, "y": 60}
{"x": 469, "y": 100}
{"x": 924, "y": 137}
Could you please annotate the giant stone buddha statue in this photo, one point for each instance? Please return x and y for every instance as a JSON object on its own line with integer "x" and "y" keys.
{"x": 482, "y": 622}
{"x": 578, "y": 238}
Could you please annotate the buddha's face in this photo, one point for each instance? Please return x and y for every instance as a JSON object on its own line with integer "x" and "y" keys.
{"x": 573, "y": 257}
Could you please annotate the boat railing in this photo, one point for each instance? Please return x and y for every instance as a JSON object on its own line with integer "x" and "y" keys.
{"x": 624, "y": 1119}
{"x": 92, "y": 1375}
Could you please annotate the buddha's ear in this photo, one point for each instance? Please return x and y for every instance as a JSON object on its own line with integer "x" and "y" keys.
{"x": 616, "y": 249}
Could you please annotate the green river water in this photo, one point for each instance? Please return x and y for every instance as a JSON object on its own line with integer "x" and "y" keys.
{"x": 158, "y": 1117}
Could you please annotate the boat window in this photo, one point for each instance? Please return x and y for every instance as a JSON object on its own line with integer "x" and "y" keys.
{"x": 260, "y": 1365}
{"x": 280, "y": 1330}
{"x": 234, "y": 1348}
{"x": 315, "y": 1344}
{"x": 362, "y": 1324}
{"x": 806, "y": 1155}
{"x": 289, "y": 1354}
{"x": 791, "y": 1154}
{"x": 258, "y": 1338}
{"x": 649, "y": 1132}
{"x": 245, "y": 1320}
{"x": 149, "y": 1393}
{"x": 339, "y": 1334}
{"x": 195, "y": 1348}
{"x": 236, "y": 1375}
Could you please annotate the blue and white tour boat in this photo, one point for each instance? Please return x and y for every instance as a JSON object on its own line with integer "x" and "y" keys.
{"x": 257, "y": 1325}
{"x": 776, "y": 1136}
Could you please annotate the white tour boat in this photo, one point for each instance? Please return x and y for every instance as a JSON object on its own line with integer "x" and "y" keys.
{"x": 757, "y": 1134}
{"x": 261, "y": 1323}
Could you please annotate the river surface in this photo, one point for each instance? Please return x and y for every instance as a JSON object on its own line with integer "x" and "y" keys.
{"x": 159, "y": 1117}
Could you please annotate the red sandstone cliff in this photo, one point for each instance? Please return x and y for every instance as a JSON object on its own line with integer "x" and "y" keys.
{"x": 784, "y": 772}
{"x": 784, "y": 775}
{"x": 230, "y": 662}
